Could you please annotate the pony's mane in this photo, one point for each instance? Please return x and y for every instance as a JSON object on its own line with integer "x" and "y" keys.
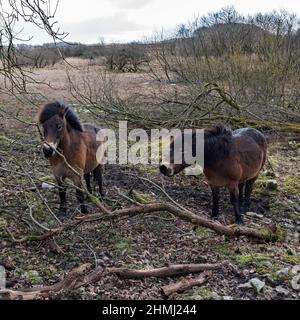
{"x": 58, "y": 108}
{"x": 217, "y": 144}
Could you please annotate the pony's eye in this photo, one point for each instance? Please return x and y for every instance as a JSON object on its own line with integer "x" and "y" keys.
{"x": 59, "y": 127}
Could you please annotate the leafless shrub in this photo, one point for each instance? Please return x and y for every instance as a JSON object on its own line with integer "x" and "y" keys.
{"x": 37, "y": 57}
{"x": 127, "y": 58}
{"x": 254, "y": 58}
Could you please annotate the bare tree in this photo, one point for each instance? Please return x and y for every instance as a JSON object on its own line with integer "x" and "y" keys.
{"x": 41, "y": 13}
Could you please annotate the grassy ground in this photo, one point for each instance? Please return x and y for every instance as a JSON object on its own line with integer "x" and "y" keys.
{"x": 149, "y": 240}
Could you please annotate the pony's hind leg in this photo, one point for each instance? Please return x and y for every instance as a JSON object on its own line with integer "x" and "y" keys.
{"x": 241, "y": 195}
{"x": 215, "y": 191}
{"x": 87, "y": 178}
{"x": 234, "y": 199}
{"x": 248, "y": 192}
{"x": 98, "y": 172}
{"x": 62, "y": 195}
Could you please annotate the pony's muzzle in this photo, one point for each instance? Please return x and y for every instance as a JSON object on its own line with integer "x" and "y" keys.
{"x": 49, "y": 149}
{"x": 169, "y": 172}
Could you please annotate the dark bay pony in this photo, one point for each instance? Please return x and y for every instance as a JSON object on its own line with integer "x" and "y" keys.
{"x": 64, "y": 132}
{"x": 232, "y": 160}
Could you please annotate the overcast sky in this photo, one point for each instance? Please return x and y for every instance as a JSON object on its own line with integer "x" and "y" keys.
{"x": 87, "y": 21}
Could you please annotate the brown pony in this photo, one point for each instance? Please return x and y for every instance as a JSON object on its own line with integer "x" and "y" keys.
{"x": 232, "y": 160}
{"x": 63, "y": 132}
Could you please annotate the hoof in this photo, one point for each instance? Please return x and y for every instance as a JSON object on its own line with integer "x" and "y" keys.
{"x": 84, "y": 210}
{"x": 239, "y": 221}
{"x": 62, "y": 211}
{"x": 214, "y": 216}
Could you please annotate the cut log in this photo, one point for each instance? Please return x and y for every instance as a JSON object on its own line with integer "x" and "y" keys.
{"x": 185, "y": 284}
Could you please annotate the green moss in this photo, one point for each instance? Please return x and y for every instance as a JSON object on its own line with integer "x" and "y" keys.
{"x": 124, "y": 245}
{"x": 203, "y": 232}
{"x": 278, "y": 235}
{"x": 262, "y": 263}
{"x": 203, "y": 292}
{"x": 291, "y": 184}
{"x": 33, "y": 277}
{"x": 148, "y": 169}
{"x": 5, "y": 139}
{"x": 260, "y": 186}
{"x": 49, "y": 179}
{"x": 251, "y": 258}
{"x": 95, "y": 200}
{"x": 140, "y": 197}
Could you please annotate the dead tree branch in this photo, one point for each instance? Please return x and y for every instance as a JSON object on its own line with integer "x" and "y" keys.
{"x": 270, "y": 233}
{"x": 84, "y": 275}
{"x": 172, "y": 270}
{"x": 185, "y": 284}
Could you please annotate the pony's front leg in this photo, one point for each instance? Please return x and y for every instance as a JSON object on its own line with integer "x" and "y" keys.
{"x": 80, "y": 198}
{"x": 62, "y": 195}
{"x": 87, "y": 178}
{"x": 215, "y": 191}
{"x": 80, "y": 194}
{"x": 234, "y": 199}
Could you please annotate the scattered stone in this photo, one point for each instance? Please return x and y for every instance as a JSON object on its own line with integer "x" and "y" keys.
{"x": 271, "y": 184}
{"x": 282, "y": 290}
{"x": 227, "y": 298}
{"x": 46, "y": 185}
{"x": 257, "y": 284}
{"x": 254, "y": 283}
{"x": 197, "y": 297}
{"x": 246, "y": 285}
{"x": 283, "y": 272}
{"x": 295, "y": 282}
{"x": 295, "y": 269}
{"x": 270, "y": 293}
{"x": 245, "y": 272}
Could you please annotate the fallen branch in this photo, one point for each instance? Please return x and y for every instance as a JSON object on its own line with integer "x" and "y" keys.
{"x": 172, "y": 270}
{"x": 270, "y": 233}
{"x": 70, "y": 282}
{"x": 267, "y": 234}
{"x": 185, "y": 284}
{"x": 83, "y": 275}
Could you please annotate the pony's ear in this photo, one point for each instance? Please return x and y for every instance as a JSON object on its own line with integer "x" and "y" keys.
{"x": 64, "y": 112}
